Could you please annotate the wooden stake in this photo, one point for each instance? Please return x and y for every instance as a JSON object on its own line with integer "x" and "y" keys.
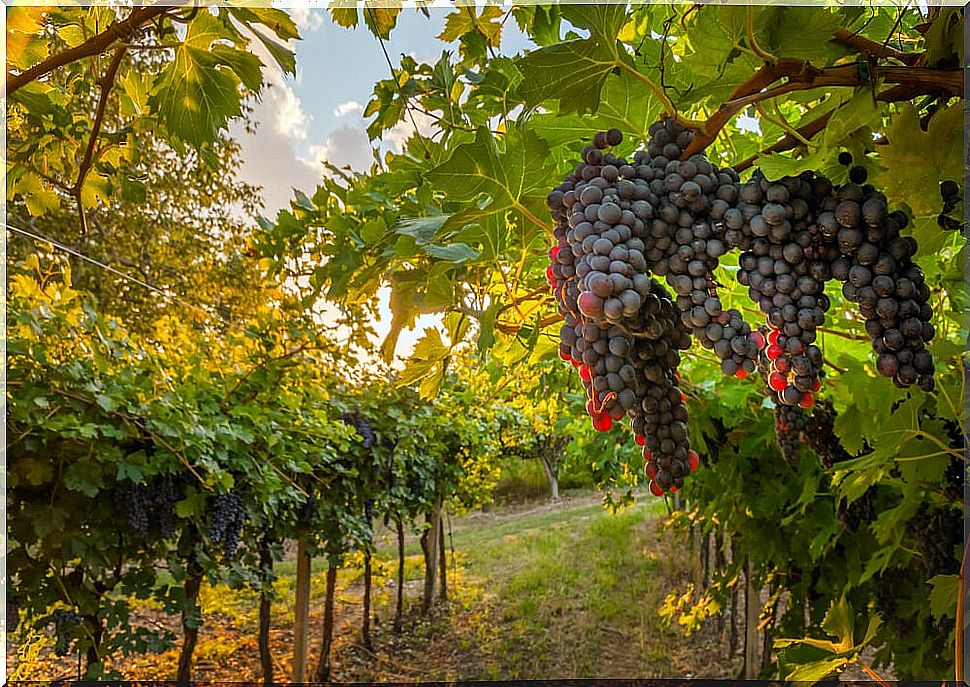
{"x": 302, "y": 614}
{"x": 751, "y": 606}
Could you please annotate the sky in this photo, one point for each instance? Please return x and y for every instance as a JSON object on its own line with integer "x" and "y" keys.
{"x": 318, "y": 114}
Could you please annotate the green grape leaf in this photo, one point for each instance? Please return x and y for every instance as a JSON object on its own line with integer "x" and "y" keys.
{"x": 915, "y": 162}
{"x": 345, "y": 16}
{"x": 816, "y": 670}
{"x": 572, "y": 72}
{"x": 382, "y": 20}
{"x": 197, "y": 93}
{"x": 944, "y": 596}
{"x": 514, "y": 178}
{"x": 455, "y": 252}
{"x": 427, "y": 364}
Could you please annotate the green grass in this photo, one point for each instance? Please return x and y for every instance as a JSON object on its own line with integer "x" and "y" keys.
{"x": 563, "y": 590}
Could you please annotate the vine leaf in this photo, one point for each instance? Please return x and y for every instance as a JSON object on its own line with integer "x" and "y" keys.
{"x": 916, "y": 161}
{"x": 839, "y": 622}
{"x": 512, "y": 179}
{"x": 944, "y": 596}
{"x": 198, "y": 91}
{"x": 573, "y": 72}
{"x": 426, "y": 366}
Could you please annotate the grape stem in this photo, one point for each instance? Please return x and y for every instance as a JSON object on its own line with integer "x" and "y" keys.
{"x": 835, "y": 367}
{"x": 752, "y": 42}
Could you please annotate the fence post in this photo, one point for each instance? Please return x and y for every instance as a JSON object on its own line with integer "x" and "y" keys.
{"x": 302, "y": 614}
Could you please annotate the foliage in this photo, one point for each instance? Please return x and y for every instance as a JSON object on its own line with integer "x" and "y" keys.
{"x": 454, "y": 224}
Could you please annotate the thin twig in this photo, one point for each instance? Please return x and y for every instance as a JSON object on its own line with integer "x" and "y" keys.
{"x": 93, "y": 46}
{"x": 780, "y": 121}
{"x": 788, "y": 142}
{"x": 106, "y": 83}
{"x": 752, "y": 42}
{"x": 869, "y": 47}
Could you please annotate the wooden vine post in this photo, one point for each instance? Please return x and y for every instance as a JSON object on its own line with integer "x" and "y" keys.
{"x": 752, "y": 603}
{"x": 302, "y": 613}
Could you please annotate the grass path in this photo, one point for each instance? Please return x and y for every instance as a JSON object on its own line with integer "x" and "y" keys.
{"x": 551, "y": 591}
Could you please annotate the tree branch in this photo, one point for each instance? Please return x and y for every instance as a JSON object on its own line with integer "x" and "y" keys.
{"x": 93, "y": 46}
{"x": 787, "y": 142}
{"x": 802, "y": 76}
{"x": 106, "y": 83}
{"x": 900, "y": 93}
{"x": 871, "y": 48}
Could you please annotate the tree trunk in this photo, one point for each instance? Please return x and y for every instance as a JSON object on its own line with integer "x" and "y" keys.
{"x": 551, "y": 476}
{"x": 301, "y": 617}
{"x": 265, "y": 599}
{"x": 399, "y": 606}
{"x": 431, "y": 557}
{"x": 191, "y": 620}
{"x": 769, "y": 627}
{"x": 752, "y": 603}
{"x": 323, "y": 667}
{"x": 442, "y": 559}
{"x": 365, "y": 627}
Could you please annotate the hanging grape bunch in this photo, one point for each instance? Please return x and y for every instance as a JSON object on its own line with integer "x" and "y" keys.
{"x": 619, "y": 222}
{"x": 226, "y": 522}
{"x": 621, "y": 328}
{"x": 361, "y": 425}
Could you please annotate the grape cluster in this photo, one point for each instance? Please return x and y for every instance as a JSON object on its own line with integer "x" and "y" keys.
{"x": 878, "y": 274}
{"x": 822, "y": 438}
{"x": 147, "y": 503}
{"x": 362, "y": 425}
{"x": 861, "y": 511}
{"x": 227, "y": 517}
{"x": 784, "y": 264}
{"x": 950, "y": 194}
{"x": 64, "y": 622}
{"x": 695, "y": 224}
{"x": 791, "y": 426}
{"x": 619, "y": 221}
{"x": 621, "y": 329}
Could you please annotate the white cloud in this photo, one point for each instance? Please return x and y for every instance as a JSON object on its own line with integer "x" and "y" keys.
{"x": 289, "y": 119}
{"x": 347, "y": 108}
{"x": 307, "y": 19}
{"x": 345, "y": 145}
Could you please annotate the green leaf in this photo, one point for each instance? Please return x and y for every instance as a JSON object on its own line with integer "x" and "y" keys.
{"x": 455, "y": 252}
{"x": 346, "y": 17}
{"x": 916, "y": 162}
{"x": 944, "y": 596}
{"x": 272, "y": 18}
{"x": 83, "y": 477}
{"x": 381, "y": 20}
{"x": 196, "y": 94}
{"x": 839, "y": 622}
{"x": 513, "y": 179}
{"x": 572, "y": 72}
{"x": 427, "y": 364}
{"x": 421, "y": 229}
{"x": 816, "y": 670}
{"x": 284, "y": 57}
